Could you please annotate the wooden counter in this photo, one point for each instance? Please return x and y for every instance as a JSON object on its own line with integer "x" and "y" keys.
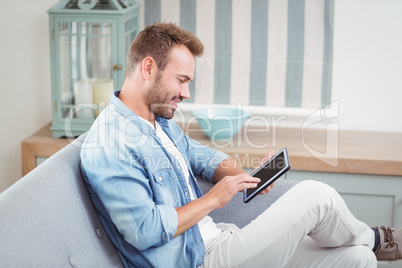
{"x": 347, "y": 151}
{"x": 40, "y": 144}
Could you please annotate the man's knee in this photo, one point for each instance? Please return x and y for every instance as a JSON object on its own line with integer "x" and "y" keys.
{"x": 318, "y": 195}
{"x": 313, "y": 184}
{"x": 317, "y": 189}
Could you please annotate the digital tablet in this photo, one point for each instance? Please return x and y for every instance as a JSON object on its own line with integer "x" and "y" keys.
{"x": 269, "y": 172}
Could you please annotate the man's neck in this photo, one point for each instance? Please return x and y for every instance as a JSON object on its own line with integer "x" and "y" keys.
{"x": 133, "y": 99}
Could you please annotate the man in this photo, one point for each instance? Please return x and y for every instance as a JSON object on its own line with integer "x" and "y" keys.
{"x": 140, "y": 172}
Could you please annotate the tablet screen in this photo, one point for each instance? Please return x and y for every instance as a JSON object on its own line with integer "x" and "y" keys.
{"x": 268, "y": 173}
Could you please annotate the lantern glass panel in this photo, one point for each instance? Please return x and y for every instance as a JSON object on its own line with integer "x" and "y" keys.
{"x": 130, "y": 29}
{"x": 86, "y": 73}
{"x": 65, "y": 77}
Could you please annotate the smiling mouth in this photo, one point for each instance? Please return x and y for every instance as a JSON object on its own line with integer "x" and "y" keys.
{"x": 175, "y": 102}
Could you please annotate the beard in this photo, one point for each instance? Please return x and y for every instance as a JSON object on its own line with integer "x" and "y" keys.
{"x": 158, "y": 100}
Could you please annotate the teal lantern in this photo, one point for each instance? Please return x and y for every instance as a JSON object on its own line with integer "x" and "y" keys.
{"x": 89, "y": 40}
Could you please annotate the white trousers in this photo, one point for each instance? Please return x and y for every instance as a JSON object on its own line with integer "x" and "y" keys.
{"x": 309, "y": 226}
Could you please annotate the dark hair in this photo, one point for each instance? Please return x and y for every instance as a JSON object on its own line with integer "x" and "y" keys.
{"x": 157, "y": 41}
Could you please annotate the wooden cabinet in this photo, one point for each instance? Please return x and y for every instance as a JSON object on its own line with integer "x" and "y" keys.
{"x": 376, "y": 200}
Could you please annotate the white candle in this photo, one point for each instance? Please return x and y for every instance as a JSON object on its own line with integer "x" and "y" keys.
{"x": 102, "y": 91}
{"x": 83, "y": 99}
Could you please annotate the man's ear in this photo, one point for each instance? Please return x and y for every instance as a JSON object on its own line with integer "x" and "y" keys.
{"x": 148, "y": 67}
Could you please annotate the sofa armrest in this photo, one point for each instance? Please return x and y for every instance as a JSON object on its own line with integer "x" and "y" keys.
{"x": 240, "y": 213}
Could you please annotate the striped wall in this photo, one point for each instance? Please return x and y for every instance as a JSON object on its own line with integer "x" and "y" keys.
{"x": 260, "y": 52}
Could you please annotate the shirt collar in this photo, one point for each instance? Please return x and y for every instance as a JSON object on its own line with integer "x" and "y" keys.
{"x": 143, "y": 125}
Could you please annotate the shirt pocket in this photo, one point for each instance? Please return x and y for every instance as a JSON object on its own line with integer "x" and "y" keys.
{"x": 166, "y": 187}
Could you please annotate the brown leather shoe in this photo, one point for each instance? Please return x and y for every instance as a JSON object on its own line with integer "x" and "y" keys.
{"x": 390, "y": 247}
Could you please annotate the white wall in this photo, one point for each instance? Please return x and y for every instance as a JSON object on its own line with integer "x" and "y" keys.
{"x": 367, "y": 64}
{"x": 367, "y": 73}
{"x": 25, "y": 80}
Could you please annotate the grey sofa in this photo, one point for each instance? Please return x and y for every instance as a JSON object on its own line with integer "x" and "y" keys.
{"x": 47, "y": 218}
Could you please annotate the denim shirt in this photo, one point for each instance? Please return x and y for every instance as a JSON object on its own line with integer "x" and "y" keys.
{"x": 135, "y": 185}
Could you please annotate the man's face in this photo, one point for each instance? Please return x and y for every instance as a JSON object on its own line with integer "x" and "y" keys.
{"x": 171, "y": 85}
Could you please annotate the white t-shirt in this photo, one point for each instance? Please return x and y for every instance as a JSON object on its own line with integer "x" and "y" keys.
{"x": 207, "y": 226}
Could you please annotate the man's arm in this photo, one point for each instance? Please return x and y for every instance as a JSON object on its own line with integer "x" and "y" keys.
{"x": 230, "y": 178}
{"x": 228, "y": 167}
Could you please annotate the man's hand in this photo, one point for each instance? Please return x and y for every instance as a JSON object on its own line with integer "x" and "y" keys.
{"x": 227, "y": 187}
{"x": 267, "y": 157}
{"x": 217, "y": 197}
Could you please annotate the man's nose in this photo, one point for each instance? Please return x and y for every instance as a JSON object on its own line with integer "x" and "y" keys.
{"x": 185, "y": 93}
